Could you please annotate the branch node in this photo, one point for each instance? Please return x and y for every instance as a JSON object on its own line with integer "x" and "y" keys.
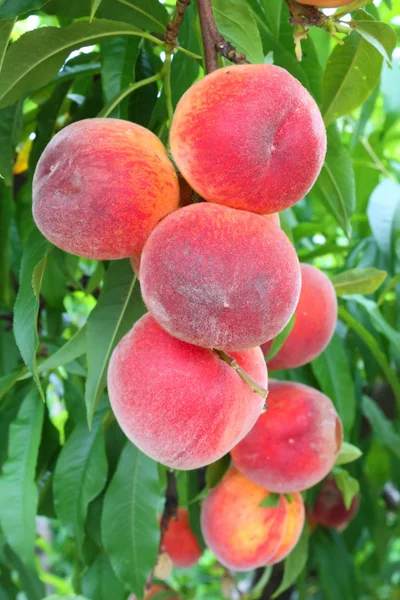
{"x": 172, "y": 31}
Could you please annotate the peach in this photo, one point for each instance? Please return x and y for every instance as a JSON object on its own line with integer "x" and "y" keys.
{"x": 180, "y": 543}
{"x": 156, "y": 589}
{"x": 240, "y": 533}
{"x": 293, "y": 528}
{"x": 220, "y": 278}
{"x": 101, "y": 186}
{"x": 274, "y": 217}
{"x": 295, "y": 443}
{"x": 181, "y": 404}
{"x": 329, "y": 509}
{"x": 249, "y": 137}
{"x": 326, "y": 3}
{"x": 314, "y": 325}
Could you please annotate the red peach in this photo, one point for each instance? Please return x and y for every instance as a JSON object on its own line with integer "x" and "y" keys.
{"x": 293, "y": 528}
{"x": 180, "y": 543}
{"x": 240, "y": 533}
{"x": 329, "y": 509}
{"x": 314, "y": 325}
{"x": 101, "y": 186}
{"x": 181, "y": 404}
{"x": 220, "y": 278}
{"x": 295, "y": 443}
{"x": 250, "y": 137}
{"x": 274, "y": 217}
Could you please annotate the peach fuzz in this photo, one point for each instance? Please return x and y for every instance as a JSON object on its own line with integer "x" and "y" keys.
{"x": 295, "y": 443}
{"x": 250, "y": 137}
{"x": 180, "y": 543}
{"x": 181, "y": 404}
{"x": 326, "y": 3}
{"x": 101, "y": 186}
{"x": 241, "y": 534}
{"x": 220, "y": 278}
{"x": 293, "y": 528}
{"x": 329, "y": 509}
{"x": 314, "y": 325}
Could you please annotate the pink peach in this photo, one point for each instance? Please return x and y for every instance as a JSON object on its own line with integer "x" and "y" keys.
{"x": 180, "y": 543}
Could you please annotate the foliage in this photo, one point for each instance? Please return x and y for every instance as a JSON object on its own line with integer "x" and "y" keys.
{"x": 62, "y": 456}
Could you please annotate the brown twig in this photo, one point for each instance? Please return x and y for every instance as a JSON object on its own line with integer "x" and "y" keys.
{"x": 171, "y": 34}
{"x": 213, "y": 41}
{"x": 170, "y": 511}
{"x": 253, "y": 385}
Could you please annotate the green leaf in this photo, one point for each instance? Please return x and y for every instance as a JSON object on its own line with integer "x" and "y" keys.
{"x": 235, "y": 22}
{"x": 94, "y": 5}
{"x": 30, "y": 583}
{"x": 41, "y": 53}
{"x": 365, "y": 115}
{"x": 378, "y": 321}
{"x": 10, "y": 125}
{"x": 13, "y": 8}
{"x": 71, "y": 350}
{"x": 6, "y": 210}
{"x": 80, "y": 475}
{"x": 130, "y": 529}
{"x": 100, "y": 581}
{"x": 294, "y": 564}
{"x": 348, "y": 453}
{"x": 280, "y": 339}
{"x": 351, "y": 74}
{"x": 335, "y": 186}
{"x": 7, "y": 382}
{"x": 335, "y": 567}
{"x": 26, "y": 308}
{"x": 118, "y": 57}
{"x": 382, "y": 207}
{"x": 381, "y": 35}
{"x": 146, "y": 14}
{"x": 183, "y": 71}
{"x": 273, "y": 9}
{"x": 375, "y": 350}
{"x": 347, "y": 485}
{"x": 271, "y": 501}
{"x": 68, "y": 597}
{"x": 217, "y": 470}
{"x": 381, "y": 426}
{"x": 358, "y": 281}
{"x": 6, "y": 27}
{"x": 119, "y": 306}
{"x": 18, "y": 491}
{"x": 331, "y": 368}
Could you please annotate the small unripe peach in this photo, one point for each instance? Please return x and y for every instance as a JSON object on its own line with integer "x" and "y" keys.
{"x": 295, "y": 443}
{"x": 180, "y": 543}
{"x": 250, "y": 137}
{"x": 329, "y": 508}
{"x": 220, "y": 278}
{"x": 101, "y": 186}
{"x": 181, "y": 404}
{"x": 314, "y": 325}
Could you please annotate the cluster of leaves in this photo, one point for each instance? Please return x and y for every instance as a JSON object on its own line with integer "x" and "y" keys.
{"x": 96, "y": 495}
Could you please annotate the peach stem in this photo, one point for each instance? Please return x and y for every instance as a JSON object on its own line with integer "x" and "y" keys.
{"x": 232, "y": 362}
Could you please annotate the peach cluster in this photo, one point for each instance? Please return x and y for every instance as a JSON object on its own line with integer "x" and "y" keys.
{"x": 220, "y": 279}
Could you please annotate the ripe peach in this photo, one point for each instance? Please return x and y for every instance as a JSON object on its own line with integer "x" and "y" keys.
{"x": 293, "y": 528}
{"x": 329, "y": 509}
{"x": 274, "y": 217}
{"x": 314, "y": 325}
{"x": 181, "y": 404}
{"x": 295, "y": 443}
{"x": 180, "y": 543}
{"x": 220, "y": 278}
{"x": 326, "y": 3}
{"x": 240, "y": 533}
{"x": 101, "y": 186}
{"x": 249, "y": 137}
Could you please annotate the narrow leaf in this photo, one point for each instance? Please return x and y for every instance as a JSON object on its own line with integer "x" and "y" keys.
{"x": 235, "y": 22}
{"x": 348, "y": 453}
{"x": 119, "y": 306}
{"x": 351, "y": 74}
{"x": 335, "y": 567}
{"x": 280, "y": 339}
{"x": 378, "y": 321}
{"x": 26, "y": 308}
{"x": 100, "y": 581}
{"x": 295, "y": 563}
{"x": 216, "y": 471}
{"x": 71, "y": 350}
{"x": 18, "y": 492}
{"x": 358, "y": 281}
{"x": 6, "y": 27}
{"x": 130, "y": 529}
{"x": 271, "y": 501}
{"x": 80, "y": 475}
{"x": 13, "y": 8}
{"x": 331, "y": 368}
{"x": 380, "y": 35}
{"x": 347, "y": 485}
{"x": 381, "y": 426}
{"x": 382, "y": 207}
{"x": 94, "y": 5}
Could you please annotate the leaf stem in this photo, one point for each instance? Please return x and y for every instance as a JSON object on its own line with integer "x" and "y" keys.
{"x": 107, "y": 110}
{"x": 232, "y": 362}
